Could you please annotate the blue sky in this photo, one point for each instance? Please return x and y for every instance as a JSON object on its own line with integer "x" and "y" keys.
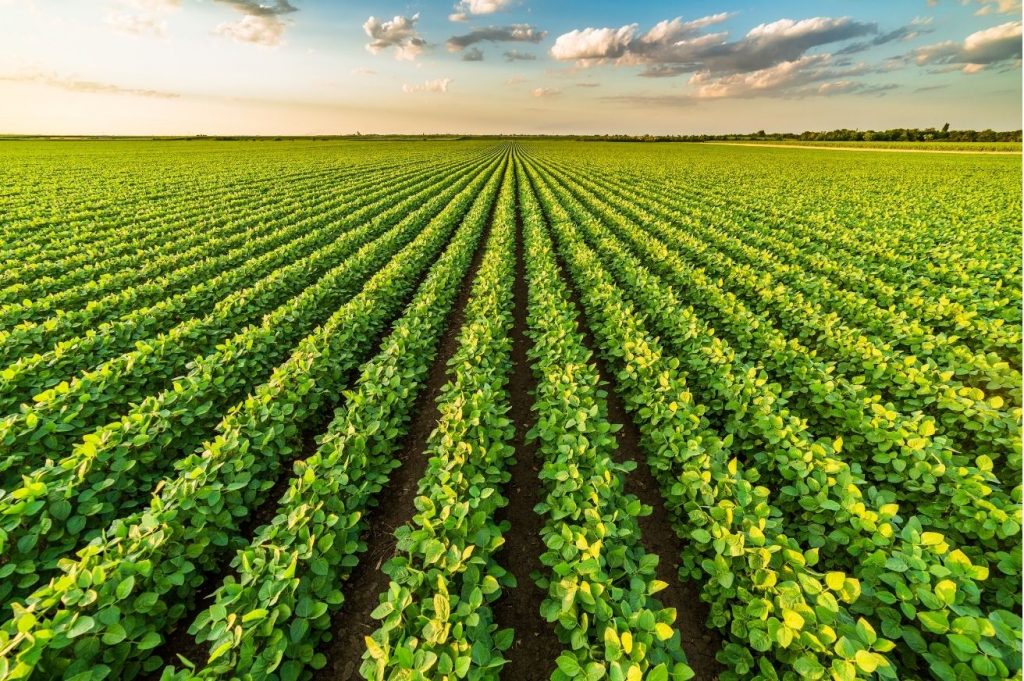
{"x": 313, "y": 67}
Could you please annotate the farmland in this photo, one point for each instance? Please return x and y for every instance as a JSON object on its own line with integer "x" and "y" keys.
{"x": 537, "y": 409}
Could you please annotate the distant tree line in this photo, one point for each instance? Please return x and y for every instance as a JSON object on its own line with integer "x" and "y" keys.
{"x": 943, "y": 134}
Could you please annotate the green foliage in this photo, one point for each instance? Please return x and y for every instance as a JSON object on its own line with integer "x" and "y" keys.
{"x": 601, "y": 581}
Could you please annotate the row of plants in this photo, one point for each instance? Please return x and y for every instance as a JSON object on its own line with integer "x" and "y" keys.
{"x": 85, "y": 240}
{"x": 187, "y": 290}
{"x": 902, "y": 454}
{"x": 119, "y": 266}
{"x": 106, "y": 612}
{"x": 600, "y": 582}
{"x": 194, "y": 322}
{"x": 726, "y": 232}
{"x": 827, "y": 504}
{"x": 966, "y": 415}
{"x": 896, "y": 326}
{"x": 763, "y": 587}
{"x": 274, "y": 610}
{"x": 62, "y": 503}
{"x": 149, "y": 258}
{"x": 939, "y": 218}
{"x": 435, "y": 620}
{"x": 977, "y": 320}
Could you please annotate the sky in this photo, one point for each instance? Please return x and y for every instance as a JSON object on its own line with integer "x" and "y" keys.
{"x": 298, "y": 67}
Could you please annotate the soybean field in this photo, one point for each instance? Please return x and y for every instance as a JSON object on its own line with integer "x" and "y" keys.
{"x": 508, "y": 408}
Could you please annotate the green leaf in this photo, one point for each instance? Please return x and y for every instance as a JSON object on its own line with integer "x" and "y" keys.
{"x": 935, "y": 622}
{"x": 150, "y": 640}
{"x": 83, "y": 625}
{"x": 569, "y": 665}
{"x": 659, "y": 673}
{"x": 124, "y": 588}
{"x": 866, "y": 661}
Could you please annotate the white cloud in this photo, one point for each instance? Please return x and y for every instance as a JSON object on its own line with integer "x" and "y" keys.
{"x": 261, "y": 22}
{"x": 772, "y": 79}
{"x": 467, "y": 8}
{"x": 545, "y": 92}
{"x": 399, "y": 33}
{"x": 261, "y": 30}
{"x": 593, "y": 43}
{"x": 141, "y": 17}
{"x": 993, "y": 45}
{"x": 998, "y": 7}
{"x": 363, "y": 71}
{"x": 437, "y": 86}
{"x": 673, "y": 47}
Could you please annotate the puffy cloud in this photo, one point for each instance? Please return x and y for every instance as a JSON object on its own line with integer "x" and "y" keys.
{"x": 994, "y": 45}
{"x": 473, "y": 54}
{"x": 771, "y": 79}
{"x": 516, "y": 55}
{"x": 399, "y": 33}
{"x": 516, "y": 33}
{"x": 673, "y": 47}
{"x": 781, "y": 41}
{"x": 437, "y": 86}
{"x": 141, "y": 17}
{"x": 261, "y": 22}
{"x": 88, "y": 86}
{"x": 545, "y": 92}
{"x": 593, "y": 43}
{"x": 466, "y": 8}
{"x": 261, "y": 30}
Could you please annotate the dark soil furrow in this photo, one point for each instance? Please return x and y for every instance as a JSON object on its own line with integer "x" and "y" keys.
{"x": 535, "y": 646}
{"x": 352, "y": 622}
{"x": 178, "y": 642}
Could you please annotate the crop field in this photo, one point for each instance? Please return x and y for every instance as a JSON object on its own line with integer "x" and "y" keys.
{"x": 521, "y": 409}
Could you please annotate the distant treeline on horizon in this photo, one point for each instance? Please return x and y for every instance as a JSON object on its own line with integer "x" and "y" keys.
{"x": 841, "y": 135}
{"x": 943, "y": 134}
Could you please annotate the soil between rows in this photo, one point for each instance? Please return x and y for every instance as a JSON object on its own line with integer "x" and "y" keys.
{"x": 179, "y": 643}
{"x": 353, "y": 622}
{"x": 535, "y": 645}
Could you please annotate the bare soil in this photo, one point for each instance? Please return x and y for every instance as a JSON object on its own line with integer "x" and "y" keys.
{"x": 535, "y": 646}
{"x": 352, "y": 622}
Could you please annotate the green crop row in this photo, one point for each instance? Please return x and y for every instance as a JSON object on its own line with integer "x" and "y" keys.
{"x": 274, "y": 611}
{"x": 434, "y": 619}
{"x": 600, "y": 585}
{"x": 109, "y": 606}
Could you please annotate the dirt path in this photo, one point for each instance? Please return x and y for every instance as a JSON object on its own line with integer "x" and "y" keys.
{"x": 837, "y": 148}
{"x": 536, "y": 645}
{"x": 353, "y": 622}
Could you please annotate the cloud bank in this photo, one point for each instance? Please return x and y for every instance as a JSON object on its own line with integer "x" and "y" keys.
{"x": 467, "y": 8}
{"x": 399, "y": 33}
{"x": 516, "y": 33}
{"x": 999, "y": 44}
{"x": 262, "y": 23}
